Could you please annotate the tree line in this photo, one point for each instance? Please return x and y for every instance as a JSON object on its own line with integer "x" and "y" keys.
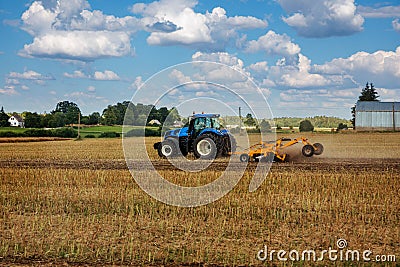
{"x": 67, "y": 113}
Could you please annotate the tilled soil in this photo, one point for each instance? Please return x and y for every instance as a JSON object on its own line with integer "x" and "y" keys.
{"x": 323, "y": 164}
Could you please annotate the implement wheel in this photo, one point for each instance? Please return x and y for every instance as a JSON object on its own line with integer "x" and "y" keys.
{"x": 244, "y": 158}
{"x": 308, "y": 150}
{"x": 319, "y": 148}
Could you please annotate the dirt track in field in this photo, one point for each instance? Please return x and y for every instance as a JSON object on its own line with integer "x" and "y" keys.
{"x": 322, "y": 164}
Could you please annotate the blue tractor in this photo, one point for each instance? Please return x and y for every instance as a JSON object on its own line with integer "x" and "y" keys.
{"x": 202, "y": 135}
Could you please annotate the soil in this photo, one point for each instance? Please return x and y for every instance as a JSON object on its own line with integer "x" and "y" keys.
{"x": 322, "y": 164}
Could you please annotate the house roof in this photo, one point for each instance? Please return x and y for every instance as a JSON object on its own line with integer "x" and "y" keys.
{"x": 154, "y": 122}
{"x": 377, "y": 106}
{"x": 18, "y": 117}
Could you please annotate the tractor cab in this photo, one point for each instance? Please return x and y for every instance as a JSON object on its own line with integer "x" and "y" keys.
{"x": 199, "y": 122}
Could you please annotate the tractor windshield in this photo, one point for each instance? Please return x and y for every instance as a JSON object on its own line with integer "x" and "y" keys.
{"x": 206, "y": 122}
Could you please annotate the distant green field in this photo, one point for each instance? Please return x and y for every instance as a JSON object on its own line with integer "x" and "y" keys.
{"x": 13, "y": 129}
{"x": 92, "y": 130}
{"x": 97, "y": 130}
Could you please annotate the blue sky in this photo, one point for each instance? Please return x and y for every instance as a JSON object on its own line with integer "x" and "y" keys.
{"x": 307, "y": 57}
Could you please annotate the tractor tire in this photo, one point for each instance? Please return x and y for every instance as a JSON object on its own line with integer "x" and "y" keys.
{"x": 226, "y": 145}
{"x": 308, "y": 151}
{"x": 232, "y": 143}
{"x": 205, "y": 147}
{"x": 244, "y": 158}
{"x": 168, "y": 149}
{"x": 319, "y": 148}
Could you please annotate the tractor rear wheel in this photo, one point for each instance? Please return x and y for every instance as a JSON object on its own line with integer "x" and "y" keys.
{"x": 167, "y": 149}
{"x": 308, "y": 150}
{"x": 319, "y": 148}
{"x": 232, "y": 143}
{"x": 205, "y": 147}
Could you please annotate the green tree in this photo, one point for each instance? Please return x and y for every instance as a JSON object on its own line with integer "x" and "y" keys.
{"x": 306, "y": 126}
{"x": 172, "y": 116}
{"x": 45, "y": 119}
{"x": 33, "y": 120}
{"x": 250, "y": 121}
{"x": 4, "y": 118}
{"x": 110, "y": 115}
{"x": 265, "y": 126}
{"x": 369, "y": 93}
{"x": 341, "y": 126}
{"x": 94, "y": 118}
{"x": 114, "y": 114}
{"x": 70, "y": 110}
{"x": 58, "y": 119}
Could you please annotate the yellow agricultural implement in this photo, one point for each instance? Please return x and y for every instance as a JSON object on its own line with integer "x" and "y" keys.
{"x": 273, "y": 150}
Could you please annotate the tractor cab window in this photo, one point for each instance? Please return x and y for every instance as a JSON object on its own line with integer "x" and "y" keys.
{"x": 215, "y": 123}
{"x": 200, "y": 123}
{"x": 206, "y": 122}
{"x": 196, "y": 125}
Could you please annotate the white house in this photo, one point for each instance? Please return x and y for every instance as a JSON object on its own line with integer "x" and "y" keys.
{"x": 16, "y": 121}
{"x": 154, "y": 122}
{"x": 178, "y": 124}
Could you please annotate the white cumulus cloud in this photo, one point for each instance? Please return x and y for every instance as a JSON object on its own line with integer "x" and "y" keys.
{"x": 211, "y": 30}
{"x": 380, "y": 67}
{"x": 79, "y": 45}
{"x": 75, "y": 74}
{"x": 107, "y": 75}
{"x": 68, "y": 30}
{"x": 8, "y": 90}
{"x": 396, "y": 25}
{"x": 29, "y": 75}
{"x": 137, "y": 83}
{"x": 380, "y": 12}
{"x": 322, "y": 18}
{"x": 273, "y": 43}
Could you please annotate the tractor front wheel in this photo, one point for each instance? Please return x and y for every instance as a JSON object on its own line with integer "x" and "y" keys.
{"x": 167, "y": 149}
{"x": 205, "y": 148}
{"x": 308, "y": 150}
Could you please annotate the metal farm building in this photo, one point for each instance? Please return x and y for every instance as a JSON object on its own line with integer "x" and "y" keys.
{"x": 377, "y": 116}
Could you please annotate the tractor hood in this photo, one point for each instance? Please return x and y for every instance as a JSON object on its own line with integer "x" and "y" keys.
{"x": 177, "y": 132}
{"x": 183, "y": 132}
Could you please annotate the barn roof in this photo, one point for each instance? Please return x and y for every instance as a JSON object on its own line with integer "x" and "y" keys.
{"x": 377, "y": 106}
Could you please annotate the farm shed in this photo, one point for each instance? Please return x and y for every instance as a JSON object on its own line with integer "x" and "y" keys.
{"x": 377, "y": 116}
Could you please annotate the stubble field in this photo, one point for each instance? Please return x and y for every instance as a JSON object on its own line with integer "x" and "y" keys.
{"x": 75, "y": 202}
